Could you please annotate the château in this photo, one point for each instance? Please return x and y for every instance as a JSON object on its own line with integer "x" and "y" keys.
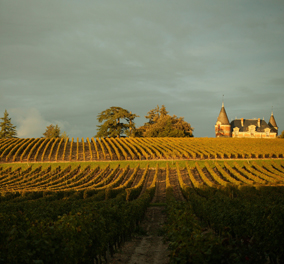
{"x": 245, "y": 128}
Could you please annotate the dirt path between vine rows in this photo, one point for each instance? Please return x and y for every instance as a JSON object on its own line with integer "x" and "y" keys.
{"x": 148, "y": 246}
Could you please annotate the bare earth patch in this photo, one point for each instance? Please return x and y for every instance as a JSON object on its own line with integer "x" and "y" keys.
{"x": 148, "y": 248}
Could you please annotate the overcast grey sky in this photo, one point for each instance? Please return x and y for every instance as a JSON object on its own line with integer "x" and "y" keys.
{"x": 65, "y": 61}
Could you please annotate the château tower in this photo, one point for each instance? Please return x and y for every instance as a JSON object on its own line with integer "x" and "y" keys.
{"x": 272, "y": 123}
{"x": 222, "y": 126}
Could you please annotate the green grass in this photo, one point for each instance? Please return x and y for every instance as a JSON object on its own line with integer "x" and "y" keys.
{"x": 131, "y": 163}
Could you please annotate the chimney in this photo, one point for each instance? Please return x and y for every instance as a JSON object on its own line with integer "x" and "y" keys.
{"x": 258, "y": 122}
{"x": 242, "y": 121}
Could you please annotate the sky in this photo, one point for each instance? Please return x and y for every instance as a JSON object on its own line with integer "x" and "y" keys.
{"x": 65, "y": 61}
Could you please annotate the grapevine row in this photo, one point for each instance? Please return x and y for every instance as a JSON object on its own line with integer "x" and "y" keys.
{"x": 138, "y": 148}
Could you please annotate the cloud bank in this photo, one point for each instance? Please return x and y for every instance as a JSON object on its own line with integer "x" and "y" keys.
{"x": 67, "y": 61}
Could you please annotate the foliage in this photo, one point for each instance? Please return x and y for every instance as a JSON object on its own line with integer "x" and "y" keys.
{"x": 62, "y": 227}
{"x": 112, "y": 126}
{"x": 192, "y": 243}
{"x": 7, "y": 128}
{"x": 161, "y": 124}
{"x": 52, "y": 131}
{"x": 64, "y": 135}
{"x": 227, "y": 225}
{"x": 282, "y": 135}
{"x": 74, "y": 212}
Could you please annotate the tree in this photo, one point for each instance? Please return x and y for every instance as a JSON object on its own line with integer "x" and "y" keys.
{"x": 52, "y": 131}
{"x": 7, "y": 128}
{"x": 282, "y": 134}
{"x": 112, "y": 126}
{"x": 161, "y": 124}
{"x": 64, "y": 135}
{"x": 153, "y": 115}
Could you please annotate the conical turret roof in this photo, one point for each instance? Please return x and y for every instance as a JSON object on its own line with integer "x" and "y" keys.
{"x": 272, "y": 121}
{"x": 223, "y": 118}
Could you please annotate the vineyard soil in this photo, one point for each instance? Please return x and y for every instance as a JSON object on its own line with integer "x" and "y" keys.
{"x": 148, "y": 246}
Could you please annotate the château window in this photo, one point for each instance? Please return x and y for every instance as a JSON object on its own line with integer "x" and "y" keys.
{"x": 252, "y": 131}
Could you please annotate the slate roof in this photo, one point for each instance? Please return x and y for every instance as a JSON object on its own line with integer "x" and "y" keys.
{"x": 272, "y": 121}
{"x": 249, "y": 122}
{"x": 223, "y": 118}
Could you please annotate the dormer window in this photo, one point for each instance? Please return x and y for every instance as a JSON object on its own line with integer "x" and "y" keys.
{"x": 236, "y": 131}
{"x": 252, "y": 130}
{"x": 267, "y": 132}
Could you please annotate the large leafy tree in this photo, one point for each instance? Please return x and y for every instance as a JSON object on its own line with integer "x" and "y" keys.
{"x": 8, "y": 130}
{"x": 116, "y": 122}
{"x": 281, "y": 135}
{"x": 161, "y": 124}
{"x": 52, "y": 131}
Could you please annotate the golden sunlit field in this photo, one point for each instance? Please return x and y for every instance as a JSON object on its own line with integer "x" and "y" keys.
{"x": 78, "y": 202}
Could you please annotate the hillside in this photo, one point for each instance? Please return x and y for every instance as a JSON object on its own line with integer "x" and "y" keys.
{"x": 213, "y": 200}
{"x": 58, "y": 150}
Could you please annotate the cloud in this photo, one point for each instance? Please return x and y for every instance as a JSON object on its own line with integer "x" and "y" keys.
{"x": 30, "y": 123}
{"x": 66, "y": 61}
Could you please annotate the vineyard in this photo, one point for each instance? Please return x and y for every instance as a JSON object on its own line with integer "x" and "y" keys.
{"x": 79, "y": 202}
{"x": 84, "y": 178}
{"x": 58, "y": 150}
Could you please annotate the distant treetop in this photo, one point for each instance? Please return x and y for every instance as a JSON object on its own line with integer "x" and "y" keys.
{"x": 8, "y": 130}
{"x": 161, "y": 124}
{"x": 113, "y": 125}
{"x": 52, "y": 131}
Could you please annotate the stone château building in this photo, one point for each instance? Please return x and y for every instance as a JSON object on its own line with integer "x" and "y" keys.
{"x": 245, "y": 128}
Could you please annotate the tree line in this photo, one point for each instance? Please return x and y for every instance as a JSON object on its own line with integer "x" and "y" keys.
{"x": 117, "y": 122}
